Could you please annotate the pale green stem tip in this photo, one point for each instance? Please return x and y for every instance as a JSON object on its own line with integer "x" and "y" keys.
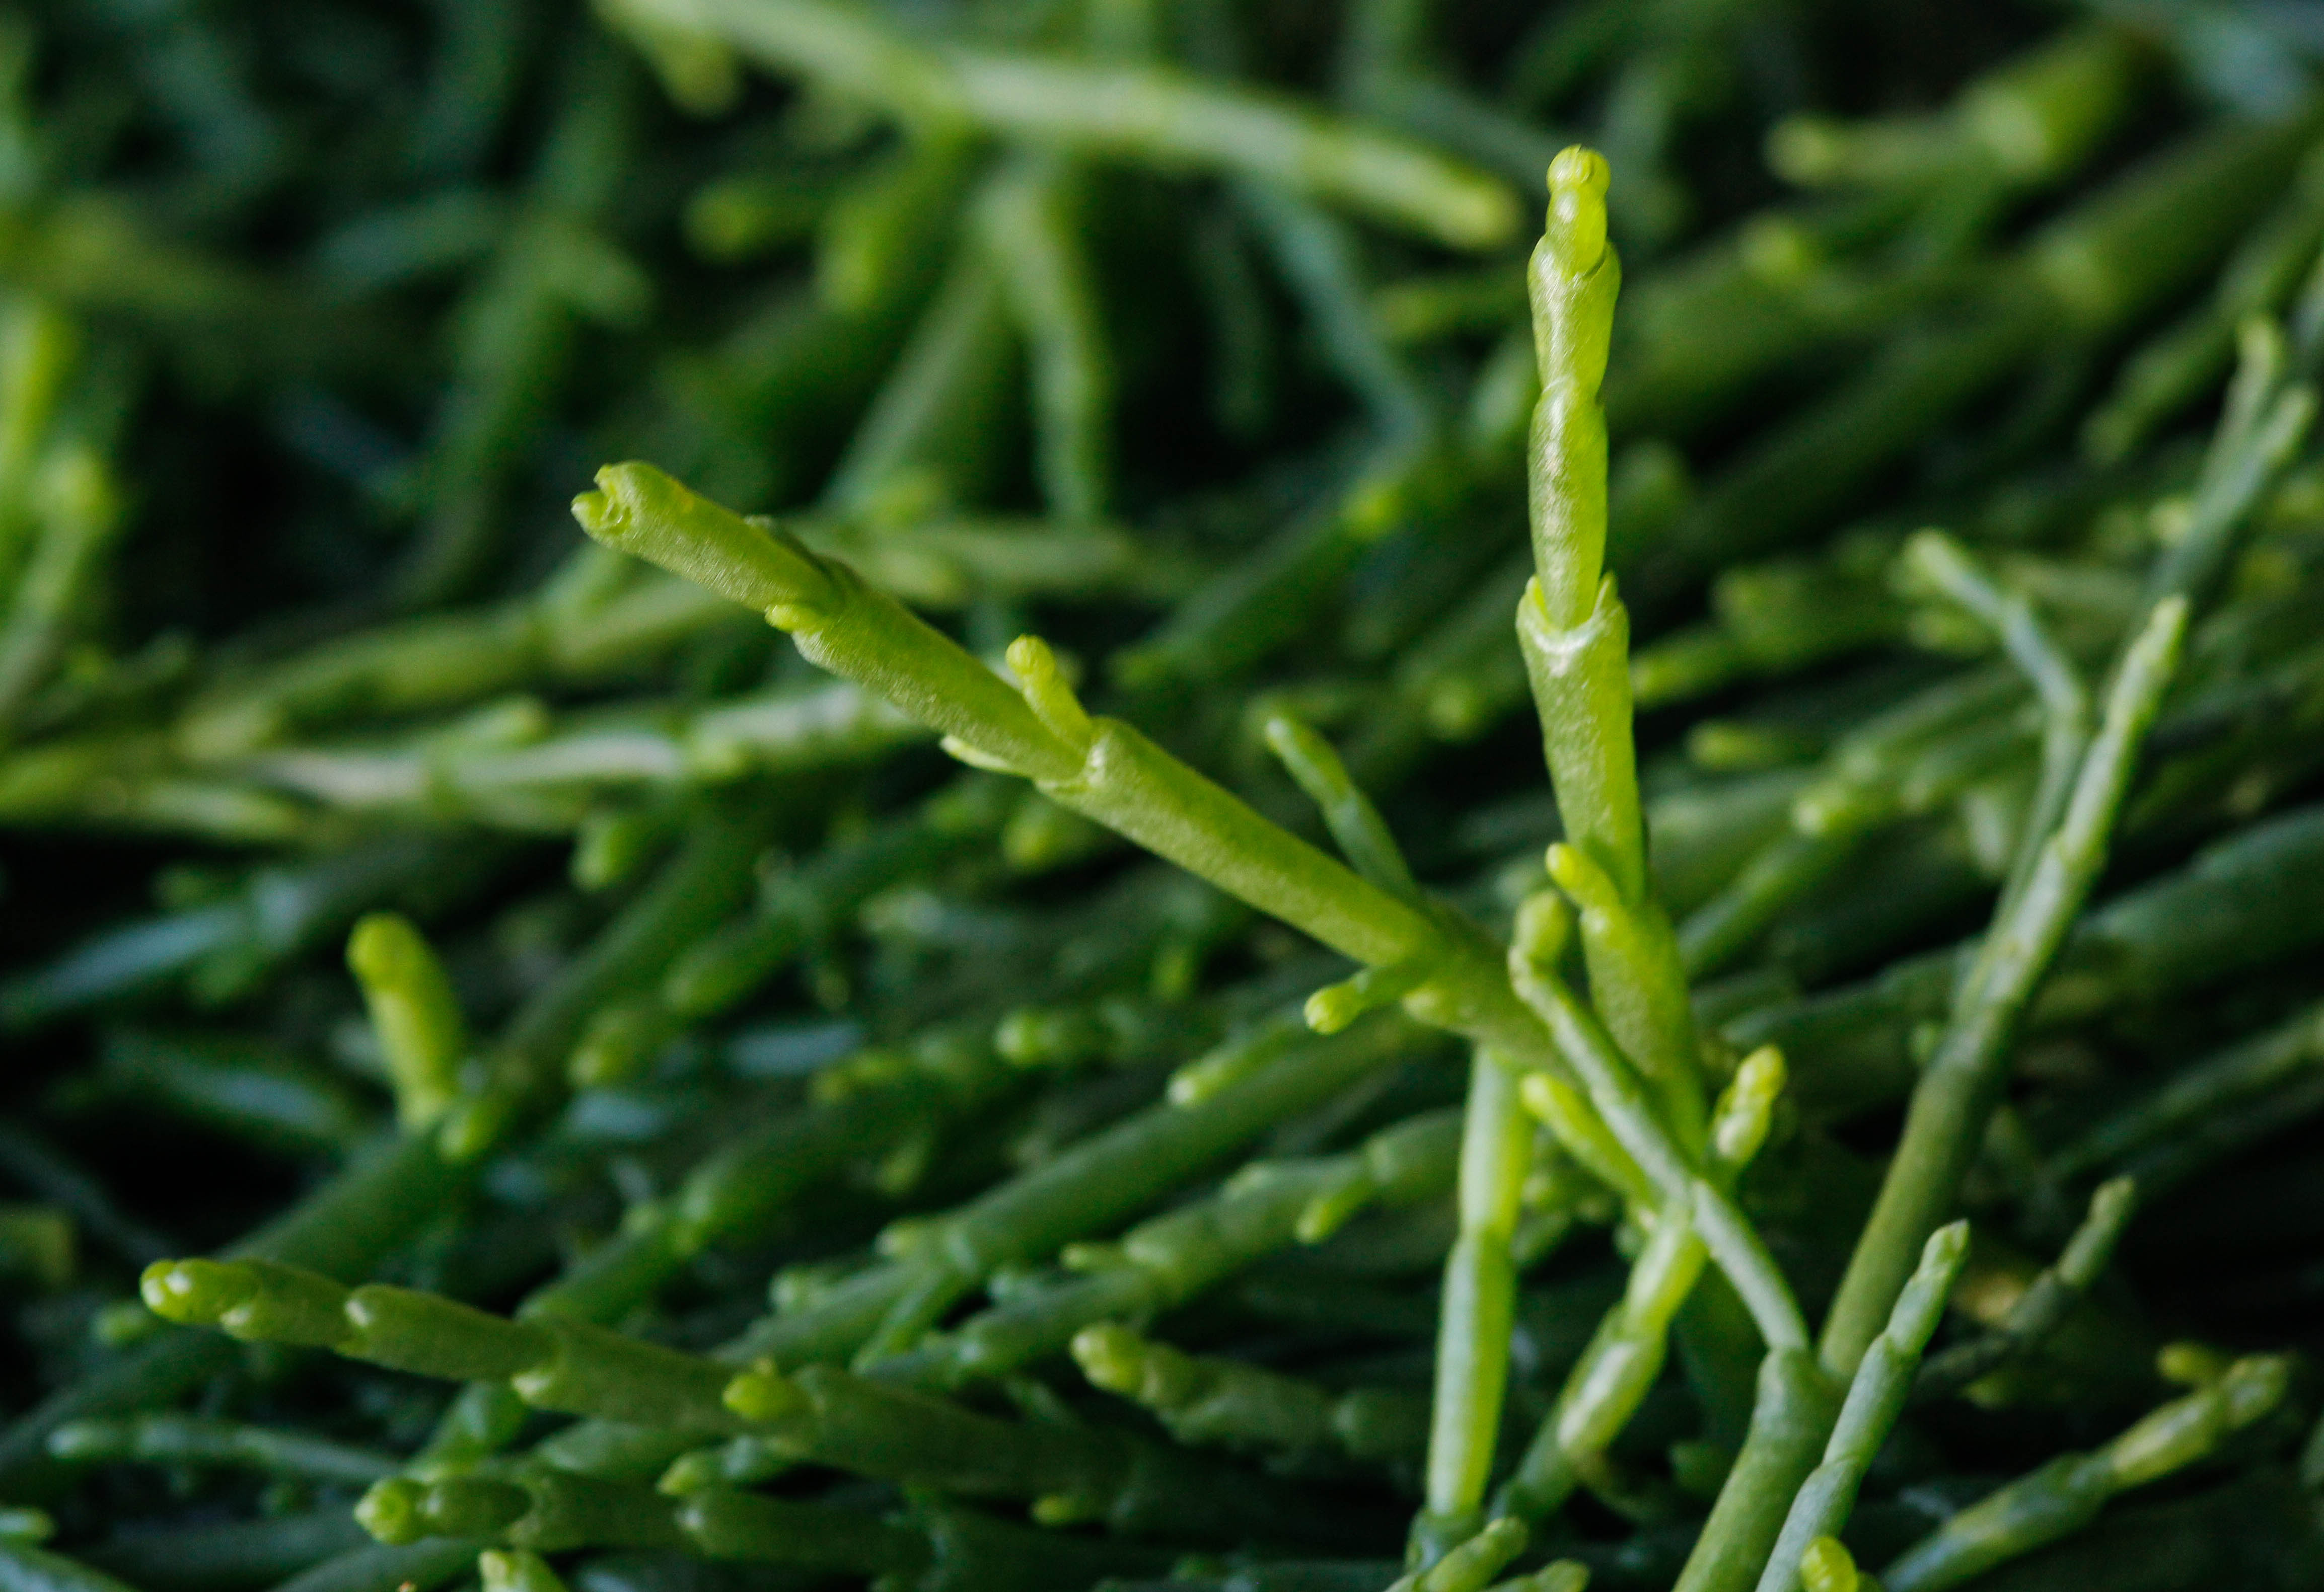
{"x": 1576, "y": 228}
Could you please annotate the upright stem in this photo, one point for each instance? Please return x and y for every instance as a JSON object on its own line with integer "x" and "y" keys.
{"x": 1473, "y": 1326}
{"x": 1575, "y": 636}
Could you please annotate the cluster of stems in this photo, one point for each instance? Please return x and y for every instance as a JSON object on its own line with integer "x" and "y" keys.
{"x": 879, "y": 1172}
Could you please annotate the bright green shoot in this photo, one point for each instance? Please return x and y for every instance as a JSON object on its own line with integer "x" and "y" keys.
{"x": 422, "y": 1038}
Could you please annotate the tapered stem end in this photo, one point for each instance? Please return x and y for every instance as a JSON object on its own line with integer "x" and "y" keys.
{"x": 1544, "y": 926}
{"x": 390, "y": 1511}
{"x": 1828, "y": 1566}
{"x": 639, "y": 511}
{"x": 516, "y": 1571}
{"x": 1576, "y": 229}
{"x": 384, "y": 948}
{"x": 193, "y": 1293}
{"x": 1914, "y": 1319}
{"x": 1111, "y": 1356}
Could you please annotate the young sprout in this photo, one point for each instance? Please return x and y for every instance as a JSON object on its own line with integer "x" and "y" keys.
{"x": 423, "y": 1037}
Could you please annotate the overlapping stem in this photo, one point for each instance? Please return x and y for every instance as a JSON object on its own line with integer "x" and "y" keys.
{"x": 863, "y": 1110}
{"x": 1616, "y": 1075}
{"x": 1876, "y": 1399}
{"x": 1951, "y": 1103}
{"x": 1960, "y": 1083}
{"x": 1043, "y": 735}
{"x": 1176, "y": 1257}
{"x": 1626, "y": 1354}
{"x": 2046, "y": 1301}
{"x": 1954, "y": 1096}
{"x": 2065, "y": 1495}
{"x": 1108, "y": 110}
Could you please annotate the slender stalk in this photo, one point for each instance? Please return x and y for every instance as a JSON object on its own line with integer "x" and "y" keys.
{"x": 1031, "y": 217}
{"x": 1118, "y": 112}
{"x": 1876, "y": 1399}
{"x": 1961, "y": 1081}
{"x": 1626, "y": 1354}
{"x": 1949, "y": 1108}
{"x": 1574, "y": 636}
{"x": 2065, "y": 701}
{"x": 2065, "y": 1495}
{"x": 1476, "y": 1313}
{"x": 2044, "y": 1304}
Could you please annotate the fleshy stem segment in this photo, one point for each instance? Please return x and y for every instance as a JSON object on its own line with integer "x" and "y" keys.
{"x": 821, "y": 1416}
{"x": 553, "y": 1363}
{"x": 1575, "y": 636}
{"x": 1205, "y": 1400}
{"x": 1875, "y": 1401}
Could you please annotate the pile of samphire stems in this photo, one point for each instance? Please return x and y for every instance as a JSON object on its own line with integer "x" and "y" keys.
{"x": 1125, "y": 984}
